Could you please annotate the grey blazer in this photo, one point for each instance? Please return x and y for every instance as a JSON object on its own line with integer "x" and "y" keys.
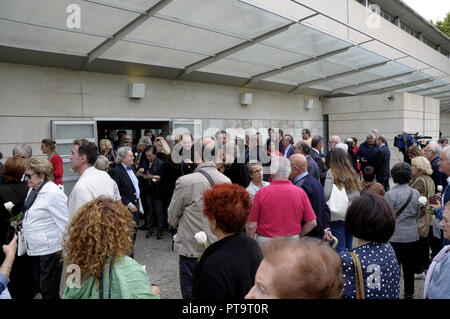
{"x": 406, "y": 225}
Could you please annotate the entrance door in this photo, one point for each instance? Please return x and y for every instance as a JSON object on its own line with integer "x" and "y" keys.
{"x": 134, "y": 128}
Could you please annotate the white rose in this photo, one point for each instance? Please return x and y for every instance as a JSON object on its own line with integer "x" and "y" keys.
{"x": 422, "y": 200}
{"x": 439, "y": 188}
{"x": 9, "y": 205}
{"x": 200, "y": 237}
{"x": 174, "y": 237}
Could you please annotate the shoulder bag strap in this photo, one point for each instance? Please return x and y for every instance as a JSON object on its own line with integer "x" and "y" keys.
{"x": 359, "y": 279}
{"x": 211, "y": 182}
{"x": 405, "y": 204}
{"x": 100, "y": 293}
{"x": 110, "y": 277}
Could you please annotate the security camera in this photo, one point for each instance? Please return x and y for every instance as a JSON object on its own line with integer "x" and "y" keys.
{"x": 391, "y": 98}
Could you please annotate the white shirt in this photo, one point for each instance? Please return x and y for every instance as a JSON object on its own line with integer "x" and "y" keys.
{"x": 92, "y": 184}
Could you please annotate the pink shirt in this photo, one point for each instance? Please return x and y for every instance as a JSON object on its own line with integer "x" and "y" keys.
{"x": 280, "y": 208}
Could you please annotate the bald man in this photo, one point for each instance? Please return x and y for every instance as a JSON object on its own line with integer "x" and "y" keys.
{"x": 302, "y": 147}
{"x": 316, "y": 195}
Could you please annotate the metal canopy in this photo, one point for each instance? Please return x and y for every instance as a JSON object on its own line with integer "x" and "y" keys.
{"x": 215, "y": 41}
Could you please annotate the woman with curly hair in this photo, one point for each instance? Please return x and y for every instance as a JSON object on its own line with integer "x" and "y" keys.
{"x": 98, "y": 242}
{"x": 227, "y": 268}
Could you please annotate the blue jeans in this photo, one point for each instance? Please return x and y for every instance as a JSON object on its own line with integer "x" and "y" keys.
{"x": 342, "y": 234}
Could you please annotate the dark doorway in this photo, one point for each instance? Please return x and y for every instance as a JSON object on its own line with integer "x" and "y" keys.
{"x": 134, "y": 128}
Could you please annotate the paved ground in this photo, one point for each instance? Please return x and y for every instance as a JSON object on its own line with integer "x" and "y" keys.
{"x": 162, "y": 265}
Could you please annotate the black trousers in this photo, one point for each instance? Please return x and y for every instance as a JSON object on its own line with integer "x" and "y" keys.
{"x": 406, "y": 254}
{"x": 47, "y": 271}
{"x": 155, "y": 214}
{"x": 187, "y": 266}
{"x": 20, "y": 278}
{"x": 435, "y": 243}
{"x": 423, "y": 255}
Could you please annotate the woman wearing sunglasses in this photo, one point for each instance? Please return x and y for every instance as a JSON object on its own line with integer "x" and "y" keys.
{"x": 43, "y": 225}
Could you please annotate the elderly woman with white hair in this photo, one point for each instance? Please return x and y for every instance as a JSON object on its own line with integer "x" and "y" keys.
{"x": 422, "y": 181}
{"x": 23, "y": 151}
{"x": 43, "y": 226}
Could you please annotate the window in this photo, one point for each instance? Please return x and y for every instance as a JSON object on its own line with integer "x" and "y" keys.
{"x": 63, "y": 133}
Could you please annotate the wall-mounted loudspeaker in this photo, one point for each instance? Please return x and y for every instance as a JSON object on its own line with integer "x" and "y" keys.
{"x": 246, "y": 98}
{"x": 137, "y": 90}
{"x": 308, "y": 104}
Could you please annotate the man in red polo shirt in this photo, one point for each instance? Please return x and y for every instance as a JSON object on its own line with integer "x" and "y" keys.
{"x": 280, "y": 209}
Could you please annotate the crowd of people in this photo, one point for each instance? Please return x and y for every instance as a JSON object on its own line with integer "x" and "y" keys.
{"x": 250, "y": 218}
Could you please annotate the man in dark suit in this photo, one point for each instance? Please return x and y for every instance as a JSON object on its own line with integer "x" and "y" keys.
{"x": 124, "y": 173}
{"x": 302, "y": 147}
{"x": 318, "y": 156}
{"x": 288, "y": 143}
{"x": 382, "y": 161}
{"x": 316, "y": 195}
{"x": 432, "y": 152}
{"x": 444, "y": 167}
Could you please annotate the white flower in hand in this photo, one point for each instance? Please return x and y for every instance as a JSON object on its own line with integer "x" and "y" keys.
{"x": 422, "y": 200}
{"x": 201, "y": 237}
{"x": 9, "y": 205}
{"x": 439, "y": 188}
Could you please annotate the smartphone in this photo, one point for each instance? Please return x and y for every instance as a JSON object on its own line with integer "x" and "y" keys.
{"x": 10, "y": 232}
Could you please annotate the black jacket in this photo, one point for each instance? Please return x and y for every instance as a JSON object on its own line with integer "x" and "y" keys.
{"x": 227, "y": 268}
{"x": 381, "y": 165}
{"x": 124, "y": 183}
{"x": 154, "y": 187}
{"x": 367, "y": 152}
{"x": 322, "y": 167}
{"x": 316, "y": 196}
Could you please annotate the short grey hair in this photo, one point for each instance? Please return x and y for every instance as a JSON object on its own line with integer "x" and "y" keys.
{"x": 435, "y": 147}
{"x": 283, "y": 166}
{"x": 342, "y": 146}
{"x": 145, "y": 141}
{"x": 250, "y": 166}
{"x": 102, "y": 163}
{"x": 122, "y": 153}
{"x": 370, "y": 135}
{"x": 22, "y": 149}
{"x": 447, "y": 149}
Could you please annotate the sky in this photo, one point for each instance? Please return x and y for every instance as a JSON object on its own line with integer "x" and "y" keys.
{"x": 430, "y": 9}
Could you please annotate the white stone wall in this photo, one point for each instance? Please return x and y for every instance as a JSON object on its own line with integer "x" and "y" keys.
{"x": 32, "y": 96}
{"x": 357, "y": 116}
{"x": 444, "y": 124}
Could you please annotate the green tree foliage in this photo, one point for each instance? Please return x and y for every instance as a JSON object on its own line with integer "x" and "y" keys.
{"x": 443, "y": 25}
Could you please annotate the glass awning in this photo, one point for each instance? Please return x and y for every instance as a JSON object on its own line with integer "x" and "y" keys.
{"x": 214, "y": 40}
